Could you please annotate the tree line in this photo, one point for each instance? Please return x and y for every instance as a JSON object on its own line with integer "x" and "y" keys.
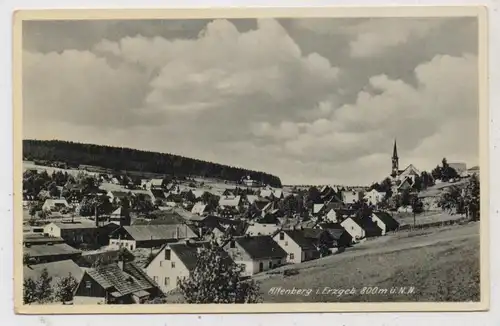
{"x": 126, "y": 159}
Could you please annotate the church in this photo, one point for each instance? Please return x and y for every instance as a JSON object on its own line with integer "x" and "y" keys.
{"x": 402, "y": 179}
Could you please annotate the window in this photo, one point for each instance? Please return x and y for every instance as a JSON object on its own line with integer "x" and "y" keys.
{"x": 286, "y": 243}
{"x": 161, "y": 263}
{"x": 291, "y": 255}
{"x": 243, "y": 267}
{"x": 282, "y": 235}
{"x": 88, "y": 284}
{"x": 232, "y": 244}
{"x": 261, "y": 267}
{"x": 155, "y": 278}
{"x": 173, "y": 264}
{"x": 167, "y": 280}
{"x": 167, "y": 254}
{"x": 270, "y": 264}
{"x": 279, "y": 262}
{"x": 177, "y": 280}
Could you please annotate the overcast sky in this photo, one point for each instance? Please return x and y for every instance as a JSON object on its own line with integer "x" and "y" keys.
{"x": 313, "y": 101}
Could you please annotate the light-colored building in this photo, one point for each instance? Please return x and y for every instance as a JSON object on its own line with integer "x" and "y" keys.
{"x": 53, "y": 204}
{"x": 74, "y": 233}
{"x": 351, "y": 196}
{"x": 261, "y": 229}
{"x": 174, "y": 262}
{"x": 374, "y": 197}
{"x": 149, "y": 236}
{"x": 385, "y": 222}
{"x": 255, "y": 254}
{"x": 298, "y": 247}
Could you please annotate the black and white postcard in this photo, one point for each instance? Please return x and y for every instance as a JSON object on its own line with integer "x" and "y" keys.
{"x": 251, "y": 160}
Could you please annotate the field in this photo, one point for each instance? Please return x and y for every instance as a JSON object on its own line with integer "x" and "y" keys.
{"x": 440, "y": 264}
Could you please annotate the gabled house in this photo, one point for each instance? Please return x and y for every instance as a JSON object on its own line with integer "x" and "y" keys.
{"x": 150, "y": 236}
{"x": 115, "y": 283}
{"x": 54, "y": 204}
{"x": 385, "y": 221}
{"x": 120, "y": 216}
{"x": 351, "y": 196}
{"x": 361, "y": 228}
{"x": 73, "y": 233}
{"x": 298, "y": 247}
{"x": 404, "y": 184}
{"x": 341, "y": 237}
{"x": 117, "y": 195}
{"x": 267, "y": 194}
{"x": 199, "y": 209}
{"x": 373, "y": 197}
{"x": 157, "y": 195}
{"x": 255, "y": 254}
{"x": 262, "y": 229}
{"x": 174, "y": 262}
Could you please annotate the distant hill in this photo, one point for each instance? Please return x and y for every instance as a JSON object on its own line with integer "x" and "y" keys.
{"x": 127, "y": 159}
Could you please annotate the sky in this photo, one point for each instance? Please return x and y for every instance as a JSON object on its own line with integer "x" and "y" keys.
{"x": 312, "y": 100}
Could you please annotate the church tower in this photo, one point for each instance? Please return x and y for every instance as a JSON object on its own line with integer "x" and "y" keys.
{"x": 395, "y": 161}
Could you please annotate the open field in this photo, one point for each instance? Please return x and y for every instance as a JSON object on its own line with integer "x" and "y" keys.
{"x": 425, "y": 218}
{"x": 441, "y": 264}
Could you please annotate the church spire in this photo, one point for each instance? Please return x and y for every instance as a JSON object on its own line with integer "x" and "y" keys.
{"x": 395, "y": 151}
{"x": 395, "y": 161}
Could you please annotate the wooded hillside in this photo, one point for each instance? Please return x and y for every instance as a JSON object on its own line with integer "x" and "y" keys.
{"x": 126, "y": 159}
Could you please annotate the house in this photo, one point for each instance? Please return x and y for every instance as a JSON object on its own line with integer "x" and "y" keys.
{"x": 115, "y": 283}
{"x": 198, "y": 194}
{"x": 298, "y": 247}
{"x": 54, "y": 204}
{"x": 385, "y": 222}
{"x": 404, "y": 184}
{"x": 117, "y": 195}
{"x": 157, "y": 195}
{"x": 56, "y": 270}
{"x": 174, "y": 262}
{"x": 233, "y": 202}
{"x": 255, "y": 254}
{"x": 278, "y": 194}
{"x": 51, "y": 252}
{"x": 341, "y": 237}
{"x": 262, "y": 229}
{"x": 120, "y": 216}
{"x": 251, "y": 199}
{"x": 410, "y": 172}
{"x": 266, "y": 193}
{"x": 149, "y": 236}
{"x": 104, "y": 257}
{"x": 199, "y": 208}
{"x": 73, "y": 232}
{"x": 361, "y": 228}
{"x": 373, "y": 197}
{"x": 351, "y": 196}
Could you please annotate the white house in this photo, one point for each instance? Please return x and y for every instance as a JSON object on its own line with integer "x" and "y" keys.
{"x": 174, "y": 262}
{"x": 51, "y": 204}
{"x": 374, "y": 197}
{"x": 350, "y": 196}
{"x": 261, "y": 229}
{"x": 297, "y": 246}
{"x": 354, "y": 229}
{"x": 199, "y": 208}
{"x": 255, "y": 254}
{"x": 385, "y": 222}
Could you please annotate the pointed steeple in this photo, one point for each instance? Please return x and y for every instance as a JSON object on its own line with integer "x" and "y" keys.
{"x": 395, "y": 150}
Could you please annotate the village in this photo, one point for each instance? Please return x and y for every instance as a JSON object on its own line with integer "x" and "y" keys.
{"x": 95, "y": 237}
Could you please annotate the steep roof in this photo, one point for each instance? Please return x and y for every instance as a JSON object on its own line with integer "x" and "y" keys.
{"x": 158, "y": 194}
{"x": 367, "y": 224}
{"x": 299, "y": 236}
{"x": 198, "y": 208}
{"x": 261, "y": 247}
{"x": 160, "y": 232}
{"x": 129, "y": 280}
{"x": 230, "y": 201}
{"x": 188, "y": 253}
{"x": 387, "y": 219}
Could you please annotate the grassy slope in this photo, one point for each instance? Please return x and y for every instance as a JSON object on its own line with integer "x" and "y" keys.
{"x": 441, "y": 268}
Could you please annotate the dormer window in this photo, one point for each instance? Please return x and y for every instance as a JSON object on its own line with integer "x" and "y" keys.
{"x": 282, "y": 235}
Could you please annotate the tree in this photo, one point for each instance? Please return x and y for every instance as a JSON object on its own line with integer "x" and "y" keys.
{"x": 472, "y": 198}
{"x": 451, "y": 200}
{"x": 313, "y": 197}
{"x": 43, "y": 287}
{"x": 417, "y": 183}
{"x": 29, "y": 291}
{"x": 406, "y": 198}
{"x": 427, "y": 180}
{"x": 217, "y": 279}
{"x": 65, "y": 287}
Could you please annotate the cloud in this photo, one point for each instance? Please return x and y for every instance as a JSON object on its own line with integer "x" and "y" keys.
{"x": 373, "y": 37}
{"x": 436, "y": 118}
{"x": 255, "y": 98}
